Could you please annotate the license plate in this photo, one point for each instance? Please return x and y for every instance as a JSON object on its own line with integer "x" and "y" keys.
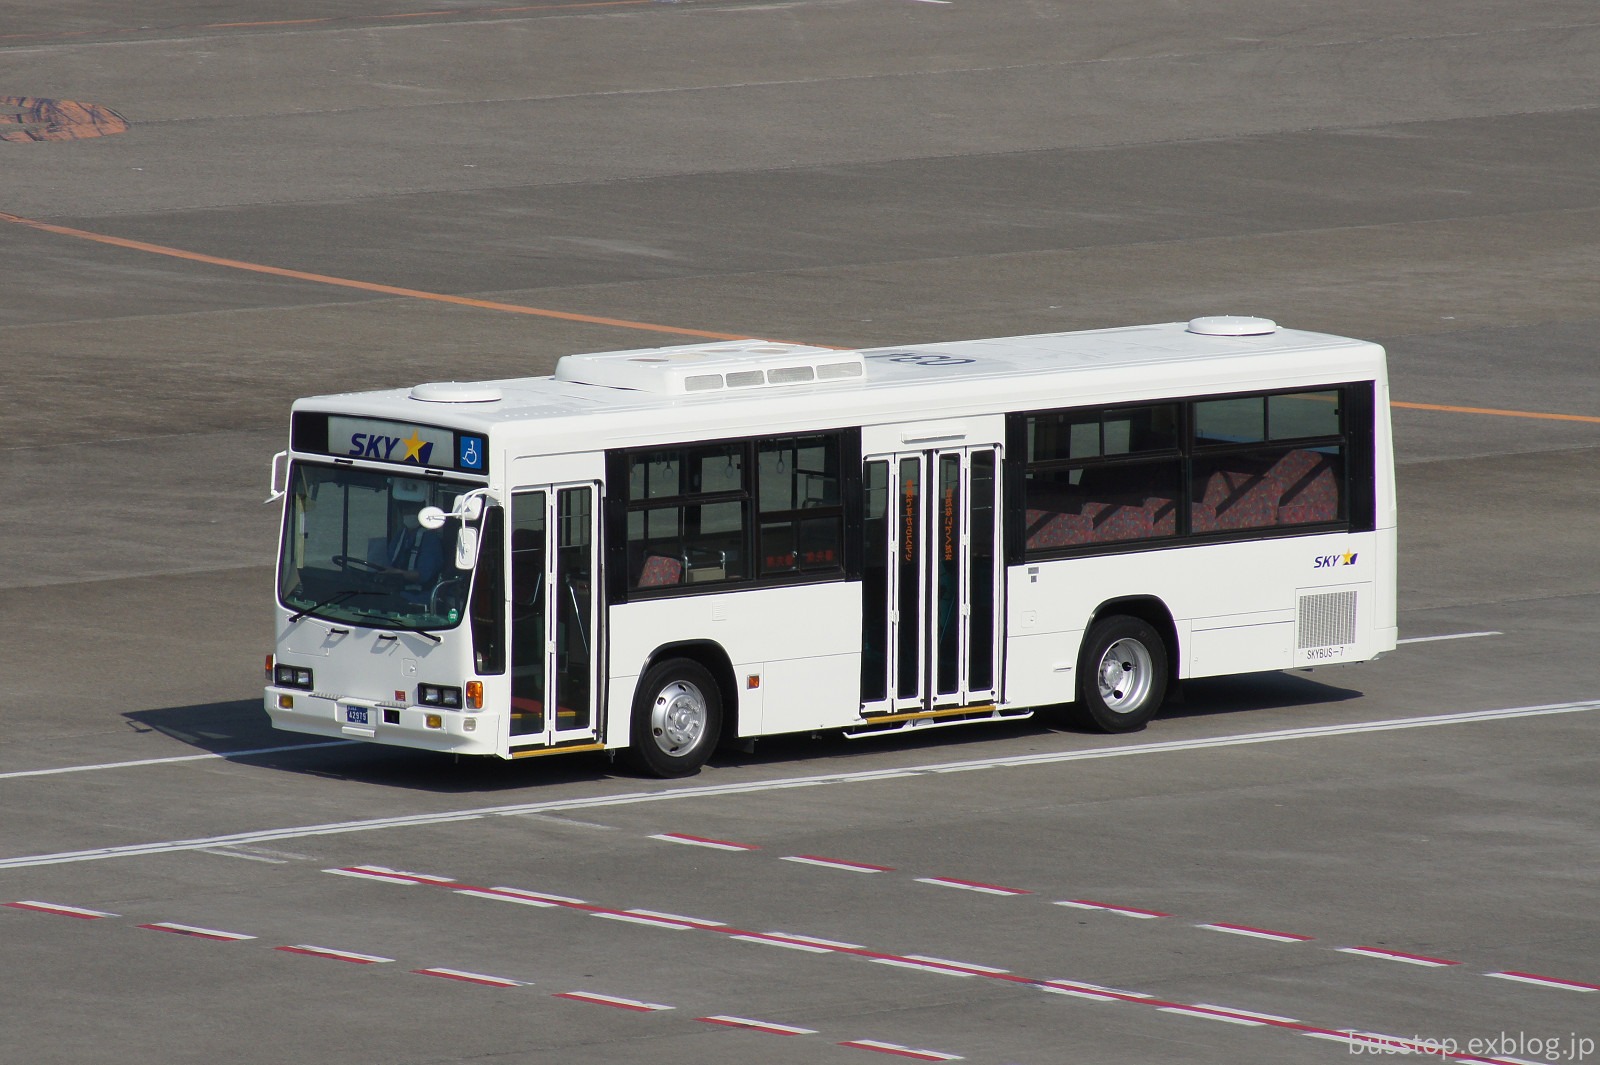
{"x": 356, "y": 715}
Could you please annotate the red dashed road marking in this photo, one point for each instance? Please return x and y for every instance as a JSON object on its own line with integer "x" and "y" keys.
{"x": 1257, "y": 933}
{"x": 972, "y": 885}
{"x": 702, "y": 841}
{"x": 674, "y": 920}
{"x": 198, "y": 933}
{"x": 336, "y": 955}
{"x": 899, "y": 1051}
{"x": 769, "y": 1027}
{"x": 838, "y": 863}
{"x": 390, "y": 876}
{"x": 526, "y": 898}
{"x": 1347, "y": 1036}
{"x": 608, "y": 1000}
{"x": 939, "y": 965}
{"x": 1544, "y": 981}
{"x": 810, "y": 944}
{"x": 61, "y": 911}
{"x": 1397, "y": 955}
{"x": 1126, "y": 911}
{"x": 471, "y": 978}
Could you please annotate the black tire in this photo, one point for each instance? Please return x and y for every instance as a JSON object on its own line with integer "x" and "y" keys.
{"x": 1122, "y": 674}
{"x": 677, "y": 718}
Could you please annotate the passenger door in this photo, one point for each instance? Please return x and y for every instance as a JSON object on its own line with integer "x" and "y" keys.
{"x": 931, "y": 574}
{"x": 555, "y": 610}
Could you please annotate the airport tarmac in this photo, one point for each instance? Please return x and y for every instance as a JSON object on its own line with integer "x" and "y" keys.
{"x": 208, "y": 209}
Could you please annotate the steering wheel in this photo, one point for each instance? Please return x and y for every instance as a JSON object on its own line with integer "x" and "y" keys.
{"x": 360, "y": 564}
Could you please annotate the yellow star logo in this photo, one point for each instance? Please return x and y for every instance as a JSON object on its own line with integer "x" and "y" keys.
{"x": 414, "y": 447}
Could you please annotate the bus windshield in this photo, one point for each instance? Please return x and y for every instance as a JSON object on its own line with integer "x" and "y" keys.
{"x": 354, "y": 550}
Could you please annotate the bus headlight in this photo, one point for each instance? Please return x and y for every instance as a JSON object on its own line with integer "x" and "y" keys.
{"x": 292, "y": 677}
{"x": 439, "y": 695}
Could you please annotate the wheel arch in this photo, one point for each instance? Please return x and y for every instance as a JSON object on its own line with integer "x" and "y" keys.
{"x": 1153, "y": 612}
{"x": 712, "y": 657}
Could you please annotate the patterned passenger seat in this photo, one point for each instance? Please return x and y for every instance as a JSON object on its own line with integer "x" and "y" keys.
{"x": 1236, "y": 499}
{"x": 1310, "y": 489}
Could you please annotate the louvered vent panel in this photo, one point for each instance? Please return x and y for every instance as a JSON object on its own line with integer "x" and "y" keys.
{"x": 1327, "y": 620}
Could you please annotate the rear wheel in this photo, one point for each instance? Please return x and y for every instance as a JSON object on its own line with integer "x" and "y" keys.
{"x": 1122, "y": 674}
{"x": 677, "y": 716}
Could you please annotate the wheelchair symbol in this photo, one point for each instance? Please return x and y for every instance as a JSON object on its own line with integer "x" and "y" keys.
{"x": 471, "y": 457}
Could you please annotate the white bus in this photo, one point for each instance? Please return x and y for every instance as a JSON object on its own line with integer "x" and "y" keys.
{"x": 658, "y": 550}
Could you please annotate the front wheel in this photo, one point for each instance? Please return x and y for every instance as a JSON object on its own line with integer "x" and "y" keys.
{"x": 1122, "y": 674}
{"x": 677, "y": 716}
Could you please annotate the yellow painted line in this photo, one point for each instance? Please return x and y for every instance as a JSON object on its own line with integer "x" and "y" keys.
{"x": 920, "y": 715}
{"x": 363, "y": 286}
{"x": 540, "y": 752}
{"x": 1542, "y": 415}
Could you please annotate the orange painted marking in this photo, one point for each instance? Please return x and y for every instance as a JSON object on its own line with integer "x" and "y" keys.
{"x": 621, "y": 323}
{"x": 1541, "y": 415}
{"x": 364, "y": 286}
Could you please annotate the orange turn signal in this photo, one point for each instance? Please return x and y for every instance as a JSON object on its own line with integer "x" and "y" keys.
{"x": 474, "y": 695}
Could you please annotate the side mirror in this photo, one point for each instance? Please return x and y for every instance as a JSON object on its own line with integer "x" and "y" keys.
{"x": 466, "y": 548}
{"x": 432, "y": 518}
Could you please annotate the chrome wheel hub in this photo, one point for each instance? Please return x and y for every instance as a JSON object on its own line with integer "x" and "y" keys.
{"x": 678, "y": 718}
{"x": 1125, "y": 675}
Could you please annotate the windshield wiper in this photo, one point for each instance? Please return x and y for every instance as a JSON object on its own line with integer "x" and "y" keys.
{"x": 407, "y": 628}
{"x": 337, "y": 597}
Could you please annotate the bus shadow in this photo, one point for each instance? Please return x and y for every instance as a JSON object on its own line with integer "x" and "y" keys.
{"x": 1216, "y": 696}
{"x": 241, "y": 732}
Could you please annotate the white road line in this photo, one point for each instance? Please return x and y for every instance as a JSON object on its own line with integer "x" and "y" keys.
{"x": 1449, "y": 636}
{"x": 827, "y": 780}
{"x": 174, "y": 759}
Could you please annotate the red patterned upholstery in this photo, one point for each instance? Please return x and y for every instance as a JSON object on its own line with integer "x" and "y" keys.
{"x": 1236, "y": 499}
{"x": 1163, "y": 516}
{"x": 660, "y": 571}
{"x": 1310, "y": 491}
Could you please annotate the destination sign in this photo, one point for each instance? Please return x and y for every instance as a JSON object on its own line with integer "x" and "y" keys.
{"x": 399, "y": 443}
